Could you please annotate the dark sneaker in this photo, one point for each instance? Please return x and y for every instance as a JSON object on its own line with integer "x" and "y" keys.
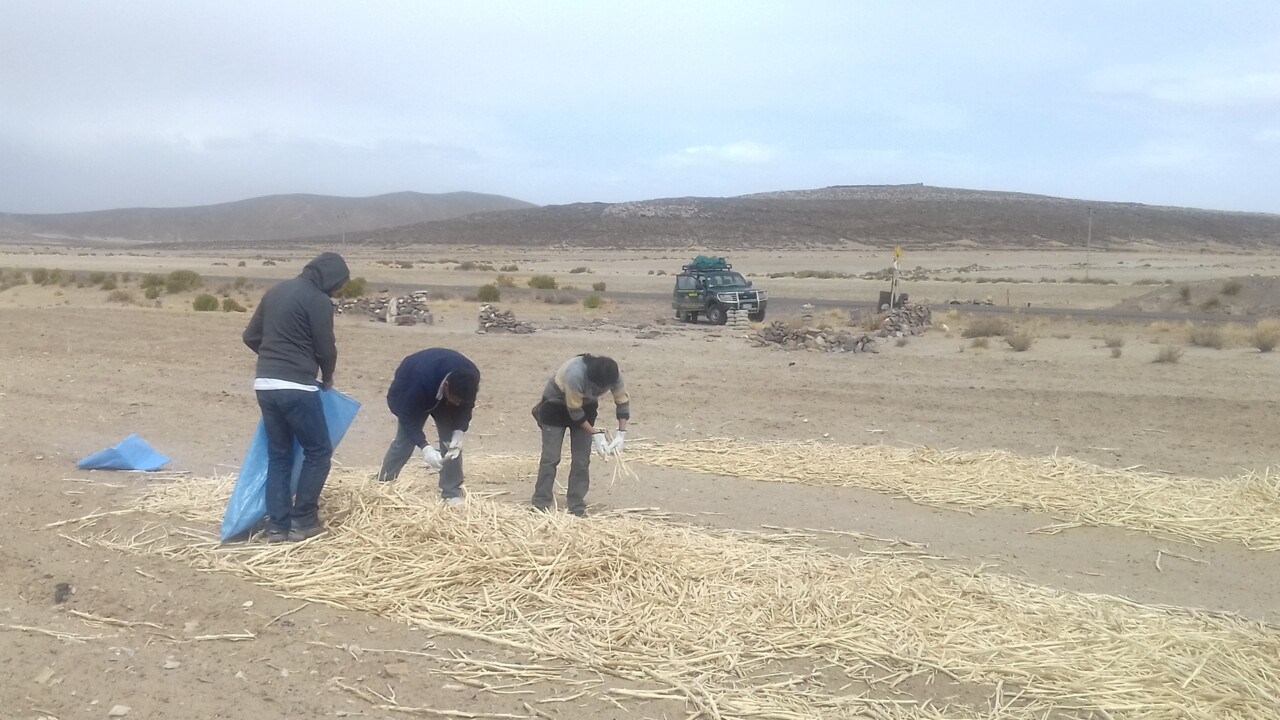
{"x": 277, "y": 536}
{"x": 539, "y": 509}
{"x": 300, "y": 534}
{"x": 578, "y": 513}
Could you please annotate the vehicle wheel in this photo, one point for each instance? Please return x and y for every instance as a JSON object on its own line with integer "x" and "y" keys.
{"x": 756, "y": 316}
{"x": 716, "y": 315}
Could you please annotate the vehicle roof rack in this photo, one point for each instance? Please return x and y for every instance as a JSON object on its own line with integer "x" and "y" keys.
{"x": 702, "y": 263}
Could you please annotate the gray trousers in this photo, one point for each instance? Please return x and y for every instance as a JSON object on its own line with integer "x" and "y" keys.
{"x": 403, "y": 447}
{"x": 579, "y": 468}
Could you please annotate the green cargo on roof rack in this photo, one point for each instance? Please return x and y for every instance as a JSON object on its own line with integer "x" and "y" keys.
{"x": 704, "y": 262}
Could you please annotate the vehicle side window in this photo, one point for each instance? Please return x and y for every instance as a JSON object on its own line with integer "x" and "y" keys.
{"x": 686, "y": 282}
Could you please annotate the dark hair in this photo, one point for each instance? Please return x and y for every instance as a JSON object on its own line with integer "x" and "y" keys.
{"x": 601, "y": 370}
{"x": 465, "y": 384}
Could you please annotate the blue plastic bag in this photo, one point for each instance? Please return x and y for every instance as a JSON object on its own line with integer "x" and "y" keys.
{"x": 248, "y": 503}
{"x": 132, "y": 453}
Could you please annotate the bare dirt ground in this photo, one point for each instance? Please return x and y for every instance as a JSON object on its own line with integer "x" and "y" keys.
{"x": 78, "y": 374}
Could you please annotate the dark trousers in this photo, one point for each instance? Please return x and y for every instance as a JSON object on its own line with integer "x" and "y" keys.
{"x": 410, "y": 437}
{"x": 579, "y": 468}
{"x": 289, "y": 415}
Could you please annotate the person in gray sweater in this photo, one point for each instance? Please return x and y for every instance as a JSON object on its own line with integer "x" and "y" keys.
{"x": 292, "y": 333}
{"x": 570, "y": 401}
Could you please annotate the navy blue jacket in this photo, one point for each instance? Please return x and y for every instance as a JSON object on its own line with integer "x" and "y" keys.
{"x": 412, "y": 395}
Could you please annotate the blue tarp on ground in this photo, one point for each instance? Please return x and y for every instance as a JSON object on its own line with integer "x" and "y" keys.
{"x": 248, "y": 504}
{"x": 133, "y": 453}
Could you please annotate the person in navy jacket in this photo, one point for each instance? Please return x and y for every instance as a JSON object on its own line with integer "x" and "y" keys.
{"x": 438, "y": 383}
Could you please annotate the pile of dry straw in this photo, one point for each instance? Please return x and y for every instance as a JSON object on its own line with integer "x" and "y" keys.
{"x": 1243, "y": 509}
{"x": 737, "y": 625}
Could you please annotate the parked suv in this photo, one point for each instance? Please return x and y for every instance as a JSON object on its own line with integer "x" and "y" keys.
{"x": 709, "y": 286}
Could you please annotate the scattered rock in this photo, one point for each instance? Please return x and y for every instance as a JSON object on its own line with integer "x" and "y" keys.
{"x": 408, "y": 309}
{"x": 396, "y": 669}
{"x": 45, "y": 676}
{"x": 171, "y": 664}
{"x": 452, "y": 686}
{"x": 62, "y": 591}
{"x": 119, "y": 711}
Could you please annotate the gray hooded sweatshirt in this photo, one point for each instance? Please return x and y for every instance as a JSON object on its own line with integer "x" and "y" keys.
{"x": 292, "y": 329}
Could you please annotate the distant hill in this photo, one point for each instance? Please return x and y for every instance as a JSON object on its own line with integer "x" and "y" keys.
{"x": 272, "y": 217}
{"x": 873, "y": 215}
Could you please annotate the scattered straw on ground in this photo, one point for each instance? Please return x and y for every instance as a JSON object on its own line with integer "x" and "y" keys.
{"x": 1242, "y": 509}
{"x": 737, "y": 625}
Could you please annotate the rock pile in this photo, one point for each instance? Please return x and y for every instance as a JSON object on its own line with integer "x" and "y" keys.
{"x": 408, "y": 309}
{"x": 495, "y": 320}
{"x": 812, "y": 338}
{"x": 910, "y": 319}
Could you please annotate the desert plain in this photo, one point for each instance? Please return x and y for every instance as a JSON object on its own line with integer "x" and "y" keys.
{"x": 158, "y": 638}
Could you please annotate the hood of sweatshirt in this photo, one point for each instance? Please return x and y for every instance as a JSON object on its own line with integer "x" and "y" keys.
{"x": 328, "y": 271}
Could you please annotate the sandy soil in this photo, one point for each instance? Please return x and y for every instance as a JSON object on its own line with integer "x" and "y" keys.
{"x": 78, "y": 373}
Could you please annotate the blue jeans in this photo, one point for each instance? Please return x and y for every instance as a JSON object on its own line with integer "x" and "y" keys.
{"x": 410, "y": 437}
{"x": 288, "y": 416}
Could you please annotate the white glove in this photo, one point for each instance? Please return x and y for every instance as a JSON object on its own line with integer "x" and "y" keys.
{"x": 432, "y": 457}
{"x": 454, "y": 445}
{"x": 618, "y": 441}
{"x": 600, "y": 444}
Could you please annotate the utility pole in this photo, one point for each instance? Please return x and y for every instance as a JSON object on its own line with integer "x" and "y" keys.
{"x": 1088, "y": 245}
{"x": 342, "y": 219}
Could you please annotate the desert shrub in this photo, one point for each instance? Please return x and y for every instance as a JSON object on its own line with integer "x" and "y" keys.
{"x": 1116, "y": 351}
{"x": 661, "y": 272}
{"x": 1113, "y": 341}
{"x": 268, "y": 262}
{"x": 354, "y": 288}
{"x": 980, "y": 342}
{"x": 1020, "y": 340}
{"x": 240, "y": 264}
{"x": 97, "y": 277}
{"x": 204, "y": 302}
{"x": 1211, "y": 304}
{"x": 109, "y": 284}
{"x": 1210, "y": 336}
{"x": 1091, "y": 281}
{"x": 505, "y": 281}
{"x": 40, "y": 276}
{"x": 152, "y": 293}
{"x": 151, "y": 280}
{"x": 241, "y": 282}
{"x": 472, "y": 265}
{"x": 591, "y": 302}
{"x": 1266, "y": 335}
{"x": 1184, "y": 293}
{"x": 1168, "y": 354}
{"x": 557, "y": 299}
{"x": 1232, "y": 287}
{"x": 182, "y": 281}
{"x": 542, "y": 282}
{"x": 120, "y": 296}
{"x": 489, "y": 293}
{"x": 598, "y": 287}
{"x": 579, "y": 270}
{"x": 985, "y": 327}
{"x": 902, "y": 342}
{"x": 9, "y": 278}
{"x": 405, "y": 265}
{"x": 230, "y": 305}
{"x": 510, "y": 268}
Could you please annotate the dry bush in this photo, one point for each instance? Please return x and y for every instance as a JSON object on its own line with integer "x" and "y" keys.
{"x": 542, "y": 282}
{"x": 591, "y": 302}
{"x": 488, "y": 293}
{"x": 230, "y": 305}
{"x": 980, "y": 342}
{"x": 579, "y": 270}
{"x": 1232, "y": 287}
{"x": 902, "y": 342}
{"x": 985, "y": 327}
{"x": 505, "y": 281}
{"x": 1113, "y": 341}
{"x": 1210, "y": 336}
{"x": 1116, "y": 351}
{"x": 1266, "y": 335}
{"x": 1168, "y": 354}
{"x": 509, "y": 268}
{"x": 1020, "y": 340}
{"x": 557, "y": 299}
{"x": 870, "y": 321}
{"x": 598, "y": 287}
{"x": 204, "y": 302}
{"x": 120, "y": 296}
{"x": 1184, "y": 293}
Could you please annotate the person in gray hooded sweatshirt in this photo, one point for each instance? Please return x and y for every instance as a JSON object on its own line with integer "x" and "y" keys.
{"x": 292, "y": 333}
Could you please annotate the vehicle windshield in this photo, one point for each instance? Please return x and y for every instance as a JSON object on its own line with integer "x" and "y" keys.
{"x": 723, "y": 279}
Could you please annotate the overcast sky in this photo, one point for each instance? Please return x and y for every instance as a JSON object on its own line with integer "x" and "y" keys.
{"x": 162, "y": 103}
